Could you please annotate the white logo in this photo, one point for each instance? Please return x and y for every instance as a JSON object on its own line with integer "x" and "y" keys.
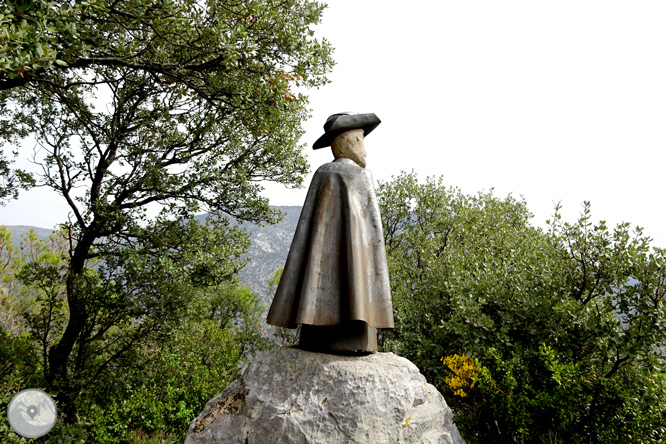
{"x": 32, "y": 413}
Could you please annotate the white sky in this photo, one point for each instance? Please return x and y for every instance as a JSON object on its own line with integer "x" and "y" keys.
{"x": 556, "y": 101}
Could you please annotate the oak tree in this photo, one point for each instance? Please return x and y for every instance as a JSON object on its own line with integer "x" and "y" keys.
{"x": 177, "y": 106}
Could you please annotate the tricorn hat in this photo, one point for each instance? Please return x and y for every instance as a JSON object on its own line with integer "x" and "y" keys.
{"x": 341, "y": 122}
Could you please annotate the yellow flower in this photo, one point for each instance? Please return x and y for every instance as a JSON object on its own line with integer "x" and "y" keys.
{"x": 465, "y": 374}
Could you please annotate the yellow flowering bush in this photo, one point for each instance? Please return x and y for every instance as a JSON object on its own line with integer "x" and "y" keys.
{"x": 465, "y": 373}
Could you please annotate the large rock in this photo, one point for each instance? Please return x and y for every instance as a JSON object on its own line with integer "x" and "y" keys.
{"x": 293, "y": 396}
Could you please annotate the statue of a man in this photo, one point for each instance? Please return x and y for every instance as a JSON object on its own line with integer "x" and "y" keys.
{"x": 335, "y": 281}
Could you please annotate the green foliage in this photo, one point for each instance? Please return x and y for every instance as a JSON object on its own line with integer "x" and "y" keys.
{"x": 182, "y": 106}
{"x": 18, "y": 360}
{"x": 168, "y": 386}
{"x": 18, "y": 364}
{"x": 140, "y": 379}
{"x": 238, "y": 307}
{"x": 42, "y": 36}
{"x": 196, "y": 93}
{"x": 36, "y": 37}
{"x": 19, "y": 357}
{"x": 156, "y": 390}
{"x": 37, "y": 34}
{"x": 567, "y": 326}
{"x": 177, "y": 105}
{"x": 32, "y": 259}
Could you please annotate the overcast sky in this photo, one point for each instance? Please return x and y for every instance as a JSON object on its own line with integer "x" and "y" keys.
{"x": 555, "y": 101}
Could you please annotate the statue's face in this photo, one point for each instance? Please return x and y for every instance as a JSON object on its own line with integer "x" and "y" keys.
{"x": 350, "y": 145}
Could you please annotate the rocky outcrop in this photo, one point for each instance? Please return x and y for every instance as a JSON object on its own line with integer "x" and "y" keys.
{"x": 289, "y": 396}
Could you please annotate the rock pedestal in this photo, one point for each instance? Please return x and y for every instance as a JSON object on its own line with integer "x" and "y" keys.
{"x": 289, "y": 396}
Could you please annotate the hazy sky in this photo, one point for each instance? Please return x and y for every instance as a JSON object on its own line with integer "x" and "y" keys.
{"x": 555, "y": 101}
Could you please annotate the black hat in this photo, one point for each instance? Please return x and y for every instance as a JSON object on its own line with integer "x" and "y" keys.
{"x": 341, "y": 122}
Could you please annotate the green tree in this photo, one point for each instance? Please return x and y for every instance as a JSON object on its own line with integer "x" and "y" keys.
{"x": 165, "y": 383}
{"x": 153, "y": 388}
{"x": 19, "y": 347}
{"x": 183, "y": 105}
{"x": 563, "y": 330}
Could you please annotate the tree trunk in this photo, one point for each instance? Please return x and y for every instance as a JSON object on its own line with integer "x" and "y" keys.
{"x": 60, "y": 381}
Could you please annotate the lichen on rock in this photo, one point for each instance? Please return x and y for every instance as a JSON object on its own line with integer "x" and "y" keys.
{"x": 223, "y": 406}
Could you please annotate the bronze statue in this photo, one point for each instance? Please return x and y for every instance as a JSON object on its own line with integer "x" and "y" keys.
{"x": 335, "y": 281}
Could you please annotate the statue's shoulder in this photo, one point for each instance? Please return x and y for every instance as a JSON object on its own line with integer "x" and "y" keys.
{"x": 330, "y": 166}
{"x": 342, "y": 169}
{"x": 340, "y": 166}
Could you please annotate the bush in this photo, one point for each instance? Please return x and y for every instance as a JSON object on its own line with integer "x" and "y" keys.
{"x": 563, "y": 325}
{"x": 167, "y": 388}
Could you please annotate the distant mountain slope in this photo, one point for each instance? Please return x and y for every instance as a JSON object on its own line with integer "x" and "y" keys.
{"x": 19, "y": 230}
{"x": 268, "y": 250}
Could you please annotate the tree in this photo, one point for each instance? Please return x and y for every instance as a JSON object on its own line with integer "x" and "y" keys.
{"x": 186, "y": 105}
{"x": 535, "y": 336}
{"x": 153, "y": 388}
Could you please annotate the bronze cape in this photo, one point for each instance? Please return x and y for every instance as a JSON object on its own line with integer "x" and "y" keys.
{"x": 336, "y": 270}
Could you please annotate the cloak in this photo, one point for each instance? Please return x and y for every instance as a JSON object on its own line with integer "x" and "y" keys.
{"x": 336, "y": 270}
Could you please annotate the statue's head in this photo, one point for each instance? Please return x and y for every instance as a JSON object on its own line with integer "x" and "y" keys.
{"x": 349, "y": 145}
{"x": 345, "y": 132}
